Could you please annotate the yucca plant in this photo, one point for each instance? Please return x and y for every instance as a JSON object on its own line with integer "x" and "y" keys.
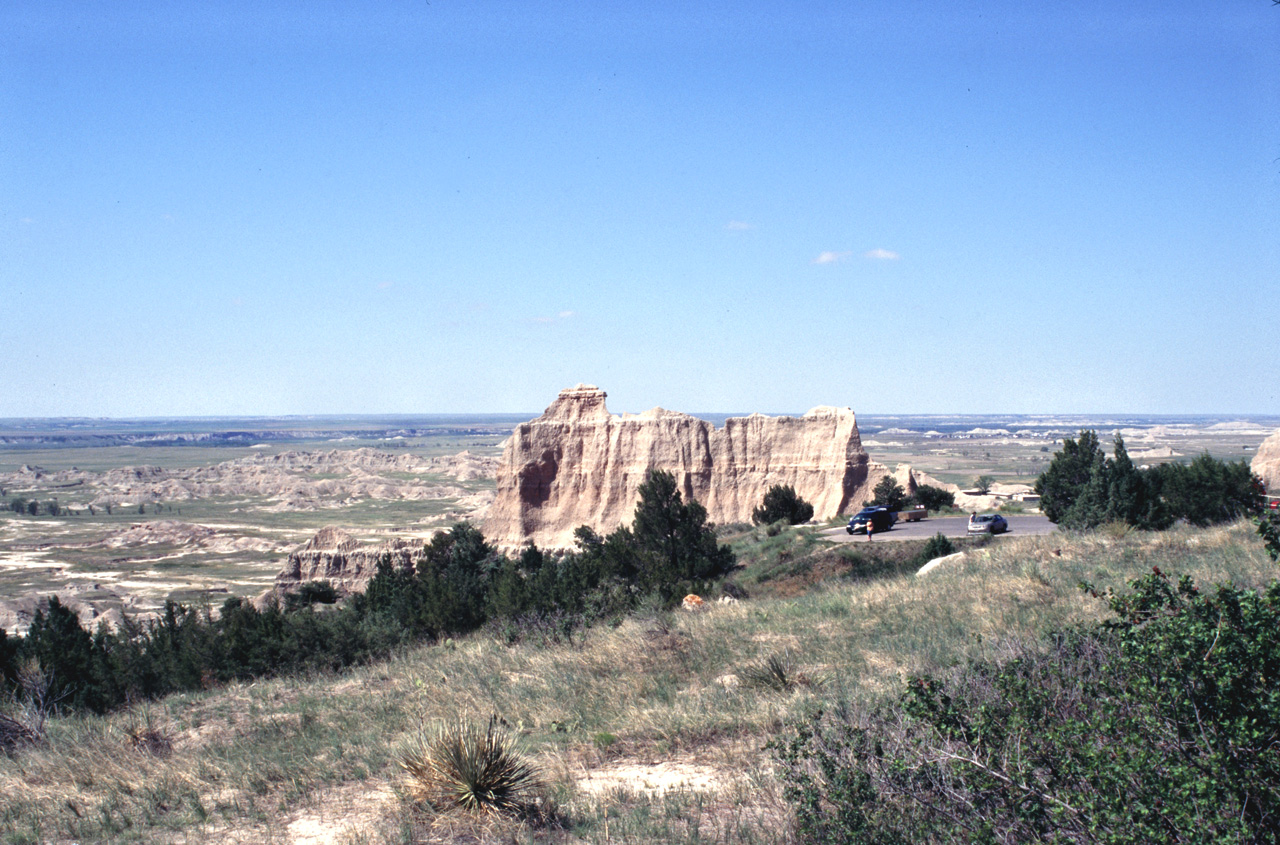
{"x": 775, "y": 672}
{"x": 478, "y": 769}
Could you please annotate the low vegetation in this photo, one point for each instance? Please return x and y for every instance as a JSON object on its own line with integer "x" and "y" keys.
{"x": 782, "y": 503}
{"x": 575, "y": 705}
{"x": 1157, "y": 725}
{"x": 934, "y": 498}
{"x": 460, "y": 583}
{"x": 888, "y": 493}
{"x": 1082, "y": 488}
{"x": 476, "y": 769}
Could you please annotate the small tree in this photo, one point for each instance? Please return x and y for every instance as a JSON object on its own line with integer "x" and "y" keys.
{"x": 676, "y": 548}
{"x": 781, "y": 502}
{"x": 889, "y": 494}
{"x": 1067, "y": 475}
{"x": 983, "y": 484}
{"x": 1209, "y": 490}
{"x": 934, "y": 498}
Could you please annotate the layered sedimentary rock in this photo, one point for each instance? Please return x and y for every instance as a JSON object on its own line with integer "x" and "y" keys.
{"x": 1266, "y": 464}
{"x": 296, "y": 480}
{"x": 335, "y": 556}
{"x": 578, "y": 464}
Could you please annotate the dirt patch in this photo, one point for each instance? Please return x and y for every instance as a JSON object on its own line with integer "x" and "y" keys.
{"x": 343, "y": 814}
{"x": 652, "y": 778}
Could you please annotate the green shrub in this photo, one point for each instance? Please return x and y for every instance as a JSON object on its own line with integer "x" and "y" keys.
{"x": 782, "y": 503}
{"x": 938, "y": 546}
{"x": 889, "y": 494}
{"x": 311, "y": 592}
{"x": 458, "y": 584}
{"x": 1157, "y": 726}
{"x": 934, "y": 498}
{"x": 1209, "y": 491}
{"x": 1082, "y": 489}
{"x": 1269, "y": 531}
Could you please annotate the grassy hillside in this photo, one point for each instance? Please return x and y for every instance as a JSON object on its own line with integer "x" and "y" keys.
{"x": 611, "y": 716}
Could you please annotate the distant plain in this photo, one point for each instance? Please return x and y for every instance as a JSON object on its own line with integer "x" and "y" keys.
{"x": 204, "y": 548}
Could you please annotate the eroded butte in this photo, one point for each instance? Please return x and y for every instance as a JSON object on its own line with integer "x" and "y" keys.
{"x": 578, "y": 464}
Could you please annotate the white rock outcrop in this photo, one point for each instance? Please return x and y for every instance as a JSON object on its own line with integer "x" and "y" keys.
{"x": 578, "y": 464}
{"x": 335, "y": 556}
{"x": 1266, "y": 463}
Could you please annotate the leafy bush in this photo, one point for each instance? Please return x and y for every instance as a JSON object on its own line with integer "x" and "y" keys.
{"x": 938, "y": 546}
{"x": 1269, "y": 531}
{"x": 889, "y": 494}
{"x": 934, "y": 498}
{"x": 1083, "y": 489}
{"x": 781, "y": 502}
{"x": 1160, "y": 725}
{"x": 478, "y": 770}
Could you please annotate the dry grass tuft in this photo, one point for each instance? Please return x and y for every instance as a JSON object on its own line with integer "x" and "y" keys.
{"x": 149, "y": 740}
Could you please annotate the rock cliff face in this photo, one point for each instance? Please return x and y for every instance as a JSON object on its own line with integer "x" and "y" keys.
{"x": 1266, "y": 463}
{"x": 578, "y": 464}
{"x": 334, "y": 555}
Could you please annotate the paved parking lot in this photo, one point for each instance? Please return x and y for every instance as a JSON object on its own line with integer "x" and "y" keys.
{"x": 950, "y": 526}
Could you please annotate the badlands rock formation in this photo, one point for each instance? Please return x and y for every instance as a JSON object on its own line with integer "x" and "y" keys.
{"x": 333, "y": 555}
{"x": 1266, "y": 464}
{"x": 578, "y": 464}
{"x": 296, "y": 480}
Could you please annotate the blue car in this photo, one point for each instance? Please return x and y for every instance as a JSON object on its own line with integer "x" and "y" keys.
{"x": 881, "y": 519}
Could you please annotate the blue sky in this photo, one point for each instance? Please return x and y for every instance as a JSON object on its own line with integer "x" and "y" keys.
{"x": 412, "y": 207}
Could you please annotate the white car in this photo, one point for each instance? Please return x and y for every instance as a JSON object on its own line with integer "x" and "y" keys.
{"x": 988, "y": 523}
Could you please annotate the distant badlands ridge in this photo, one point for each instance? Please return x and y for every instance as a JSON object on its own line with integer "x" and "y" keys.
{"x": 288, "y": 478}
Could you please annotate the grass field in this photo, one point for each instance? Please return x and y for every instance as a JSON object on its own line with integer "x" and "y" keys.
{"x": 647, "y": 731}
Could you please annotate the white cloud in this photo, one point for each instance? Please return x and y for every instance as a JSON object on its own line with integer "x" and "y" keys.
{"x": 831, "y": 257}
{"x": 879, "y": 254}
{"x": 562, "y": 315}
{"x": 385, "y": 285}
{"x": 738, "y": 226}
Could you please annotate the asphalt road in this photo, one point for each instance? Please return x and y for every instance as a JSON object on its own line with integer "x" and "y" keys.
{"x": 950, "y": 526}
